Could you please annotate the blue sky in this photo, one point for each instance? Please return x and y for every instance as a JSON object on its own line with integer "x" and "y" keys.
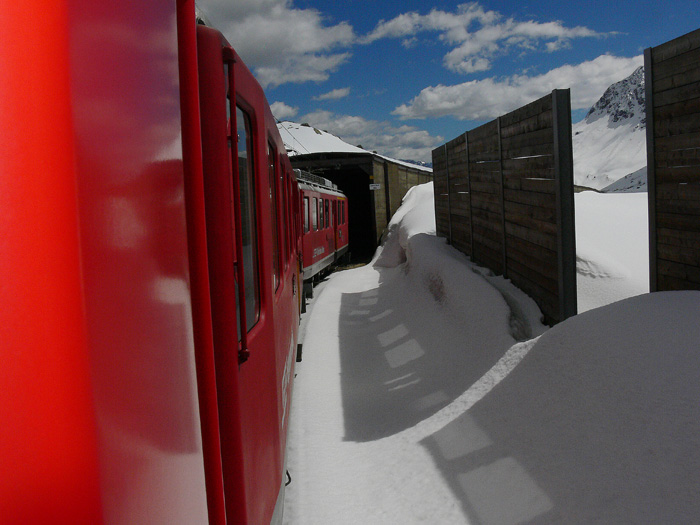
{"x": 403, "y": 77}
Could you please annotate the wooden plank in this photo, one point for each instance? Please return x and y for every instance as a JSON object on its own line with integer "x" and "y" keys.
{"x": 549, "y": 271}
{"x": 672, "y": 283}
{"x": 682, "y": 107}
{"x": 674, "y": 66}
{"x": 546, "y": 227}
{"x": 678, "y": 175}
{"x": 685, "y": 255}
{"x": 679, "y": 238}
{"x": 540, "y": 213}
{"x": 533, "y": 236}
{"x": 677, "y": 142}
{"x": 533, "y": 108}
{"x": 544, "y": 282}
{"x": 675, "y": 221}
{"x": 487, "y": 130}
{"x": 546, "y": 148}
{"x": 679, "y": 270}
{"x": 540, "y": 185}
{"x": 679, "y": 157}
{"x": 538, "y": 254}
{"x": 536, "y": 122}
{"x": 531, "y": 198}
{"x": 677, "y": 46}
{"x": 685, "y": 206}
{"x": 675, "y": 95}
{"x": 548, "y": 302}
{"x": 677, "y": 125}
{"x": 535, "y": 173}
{"x": 524, "y": 164}
{"x": 542, "y": 136}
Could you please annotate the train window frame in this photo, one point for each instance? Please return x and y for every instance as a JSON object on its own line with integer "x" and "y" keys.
{"x": 251, "y": 258}
{"x": 314, "y": 215}
{"x": 307, "y": 223}
{"x": 321, "y": 220}
{"x": 326, "y": 203}
{"x": 274, "y": 218}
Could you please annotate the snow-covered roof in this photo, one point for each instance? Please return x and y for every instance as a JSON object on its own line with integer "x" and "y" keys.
{"x": 302, "y": 139}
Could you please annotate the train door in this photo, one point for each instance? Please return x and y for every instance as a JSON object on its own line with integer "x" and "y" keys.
{"x": 239, "y": 247}
{"x": 335, "y": 225}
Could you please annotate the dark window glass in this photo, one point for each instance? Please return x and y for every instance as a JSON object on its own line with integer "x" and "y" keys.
{"x": 272, "y": 172}
{"x": 248, "y": 223}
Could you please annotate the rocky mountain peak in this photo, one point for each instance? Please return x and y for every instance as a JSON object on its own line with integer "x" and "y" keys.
{"x": 622, "y": 101}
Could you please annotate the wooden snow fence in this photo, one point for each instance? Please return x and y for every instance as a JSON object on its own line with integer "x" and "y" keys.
{"x": 673, "y": 162}
{"x": 504, "y": 197}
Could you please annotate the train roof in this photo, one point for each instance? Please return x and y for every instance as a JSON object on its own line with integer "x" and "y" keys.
{"x": 310, "y": 181}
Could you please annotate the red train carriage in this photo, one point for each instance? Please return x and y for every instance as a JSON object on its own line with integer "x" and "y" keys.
{"x": 150, "y": 232}
{"x": 324, "y": 211}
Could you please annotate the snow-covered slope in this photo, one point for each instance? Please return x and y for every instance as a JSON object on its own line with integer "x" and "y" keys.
{"x": 633, "y": 183}
{"x": 610, "y": 142}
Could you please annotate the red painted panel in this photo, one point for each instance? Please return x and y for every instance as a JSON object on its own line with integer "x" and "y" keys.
{"x": 126, "y": 113}
{"x": 48, "y": 470}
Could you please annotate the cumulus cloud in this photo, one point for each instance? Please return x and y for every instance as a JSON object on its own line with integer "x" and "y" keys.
{"x": 487, "y": 99}
{"x": 336, "y": 94}
{"x": 282, "y": 111}
{"x": 282, "y": 43}
{"x": 400, "y": 142}
{"x": 477, "y": 35}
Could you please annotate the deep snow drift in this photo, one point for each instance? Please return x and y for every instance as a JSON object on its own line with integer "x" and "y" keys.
{"x": 428, "y": 395}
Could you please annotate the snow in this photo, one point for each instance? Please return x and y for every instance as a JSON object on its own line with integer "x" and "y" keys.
{"x": 302, "y": 139}
{"x": 610, "y": 143}
{"x": 431, "y": 393}
{"x": 605, "y": 152}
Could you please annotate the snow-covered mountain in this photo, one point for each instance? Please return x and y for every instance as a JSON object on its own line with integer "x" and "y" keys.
{"x": 610, "y": 142}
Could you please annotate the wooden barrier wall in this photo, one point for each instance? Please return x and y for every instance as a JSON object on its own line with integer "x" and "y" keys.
{"x": 504, "y": 197}
{"x": 673, "y": 162}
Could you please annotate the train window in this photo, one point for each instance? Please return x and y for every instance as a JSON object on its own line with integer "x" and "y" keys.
{"x": 314, "y": 213}
{"x": 283, "y": 213}
{"x": 343, "y": 205}
{"x": 272, "y": 171}
{"x": 327, "y": 203}
{"x": 248, "y": 224}
{"x": 306, "y": 215}
{"x": 320, "y": 214}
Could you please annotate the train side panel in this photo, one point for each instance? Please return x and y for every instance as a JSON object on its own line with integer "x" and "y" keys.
{"x": 249, "y": 230}
{"x": 138, "y": 311}
{"x": 45, "y": 391}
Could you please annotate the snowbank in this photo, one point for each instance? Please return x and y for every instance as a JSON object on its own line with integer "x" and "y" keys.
{"x": 431, "y": 393}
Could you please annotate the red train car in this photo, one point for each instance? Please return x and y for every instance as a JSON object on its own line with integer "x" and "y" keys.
{"x": 324, "y": 210}
{"x": 150, "y": 230}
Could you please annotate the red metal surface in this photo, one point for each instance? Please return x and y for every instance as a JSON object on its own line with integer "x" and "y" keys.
{"x": 121, "y": 396}
{"x": 48, "y": 465}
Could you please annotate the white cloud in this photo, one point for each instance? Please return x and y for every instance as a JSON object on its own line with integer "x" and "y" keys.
{"x": 279, "y": 42}
{"x": 400, "y": 142}
{"x": 487, "y": 99}
{"x": 336, "y": 94}
{"x": 282, "y": 111}
{"x": 477, "y": 35}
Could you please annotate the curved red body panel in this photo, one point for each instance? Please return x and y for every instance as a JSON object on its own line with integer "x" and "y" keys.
{"x": 123, "y": 398}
